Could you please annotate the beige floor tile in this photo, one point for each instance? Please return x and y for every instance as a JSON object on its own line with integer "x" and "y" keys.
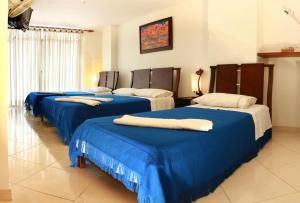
{"x": 59, "y": 183}
{"x": 19, "y": 169}
{"x": 55, "y": 146}
{"x": 292, "y": 198}
{"x": 25, "y": 138}
{"x": 89, "y": 169}
{"x": 40, "y": 154}
{"x": 274, "y": 155}
{"x": 247, "y": 185}
{"x": 289, "y": 140}
{"x": 16, "y": 147}
{"x": 290, "y": 174}
{"x": 106, "y": 190}
{"x": 217, "y": 197}
{"x": 23, "y": 195}
{"x": 62, "y": 163}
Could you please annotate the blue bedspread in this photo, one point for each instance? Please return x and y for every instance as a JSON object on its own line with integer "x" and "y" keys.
{"x": 164, "y": 165}
{"x": 67, "y": 116}
{"x": 33, "y": 99}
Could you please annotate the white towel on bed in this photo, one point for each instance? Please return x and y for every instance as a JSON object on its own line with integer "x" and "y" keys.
{"x": 101, "y": 99}
{"x": 81, "y": 101}
{"x": 185, "y": 124}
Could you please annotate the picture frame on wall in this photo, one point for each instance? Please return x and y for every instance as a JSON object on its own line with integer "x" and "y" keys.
{"x": 156, "y": 36}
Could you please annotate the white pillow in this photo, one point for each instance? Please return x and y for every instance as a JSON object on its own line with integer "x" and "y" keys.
{"x": 226, "y": 100}
{"x": 99, "y": 89}
{"x": 153, "y": 93}
{"x": 124, "y": 91}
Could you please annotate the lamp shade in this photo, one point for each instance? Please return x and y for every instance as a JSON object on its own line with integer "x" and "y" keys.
{"x": 196, "y": 83}
{"x": 95, "y": 78}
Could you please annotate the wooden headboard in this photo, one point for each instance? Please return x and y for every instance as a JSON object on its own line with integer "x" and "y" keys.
{"x": 108, "y": 79}
{"x": 159, "y": 78}
{"x": 247, "y": 79}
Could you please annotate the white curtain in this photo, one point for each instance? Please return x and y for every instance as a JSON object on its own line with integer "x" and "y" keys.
{"x": 43, "y": 61}
{"x": 24, "y": 64}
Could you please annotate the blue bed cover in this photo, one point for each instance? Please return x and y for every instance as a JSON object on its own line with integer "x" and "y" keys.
{"x": 67, "y": 116}
{"x": 164, "y": 165}
{"x": 33, "y": 99}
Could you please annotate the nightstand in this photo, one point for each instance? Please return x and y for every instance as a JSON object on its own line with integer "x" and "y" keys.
{"x": 183, "y": 101}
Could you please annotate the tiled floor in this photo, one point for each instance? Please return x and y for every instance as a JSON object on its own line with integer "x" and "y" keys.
{"x": 40, "y": 172}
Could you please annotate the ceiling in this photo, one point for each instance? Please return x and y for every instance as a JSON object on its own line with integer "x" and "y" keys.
{"x": 93, "y": 13}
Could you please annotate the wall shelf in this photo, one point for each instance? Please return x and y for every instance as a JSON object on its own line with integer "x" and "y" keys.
{"x": 278, "y": 54}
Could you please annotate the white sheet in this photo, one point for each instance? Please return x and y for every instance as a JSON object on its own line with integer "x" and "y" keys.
{"x": 162, "y": 103}
{"x": 260, "y": 114}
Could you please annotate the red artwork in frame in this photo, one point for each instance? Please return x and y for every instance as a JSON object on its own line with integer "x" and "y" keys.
{"x": 156, "y": 36}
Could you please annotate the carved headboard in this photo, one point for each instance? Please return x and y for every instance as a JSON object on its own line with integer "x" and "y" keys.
{"x": 159, "y": 78}
{"x": 108, "y": 79}
{"x": 247, "y": 79}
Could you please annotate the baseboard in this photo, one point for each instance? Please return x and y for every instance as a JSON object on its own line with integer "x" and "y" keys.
{"x": 287, "y": 129}
{"x": 5, "y": 195}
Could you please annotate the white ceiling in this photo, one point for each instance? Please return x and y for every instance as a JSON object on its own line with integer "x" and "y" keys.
{"x": 93, "y": 13}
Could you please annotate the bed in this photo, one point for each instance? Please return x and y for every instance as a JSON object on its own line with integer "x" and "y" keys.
{"x": 165, "y": 165}
{"x": 67, "y": 116}
{"x": 107, "y": 79}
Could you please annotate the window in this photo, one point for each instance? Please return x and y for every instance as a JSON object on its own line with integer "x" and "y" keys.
{"x": 43, "y": 61}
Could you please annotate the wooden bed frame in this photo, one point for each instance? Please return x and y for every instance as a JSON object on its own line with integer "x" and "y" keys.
{"x": 159, "y": 78}
{"x": 108, "y": 79}
{"x": 247, "y": 79}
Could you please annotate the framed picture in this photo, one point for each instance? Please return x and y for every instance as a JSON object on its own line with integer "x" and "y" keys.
{"x": 156, "y": 36}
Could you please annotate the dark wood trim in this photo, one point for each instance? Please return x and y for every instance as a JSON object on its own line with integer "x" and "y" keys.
{"x": 278, "y": 54}
{"x": 140, "y": 78}
{"x": 81, "y": 162}
{"x": 270, "y": 67}
{"x": 175, "y": 80}
{"x": 252, "y": 80}
{"x": 212, "y": 78}
{"x": 270, "y": 88}
{"x": 226, "y": 78}
{"x": 176, "y": 88}
{"x": 169, "y": 47}
{"x": 115, "y": 78}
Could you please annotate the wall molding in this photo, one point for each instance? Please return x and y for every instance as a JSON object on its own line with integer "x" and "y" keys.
{"x": 286, "y": 129}
{"x": 5, "y": 195}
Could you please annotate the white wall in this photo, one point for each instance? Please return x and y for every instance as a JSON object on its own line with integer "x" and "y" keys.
{"x": 109, "y": 47}
{"x": 210, "y": 32}
{"x": 5, "y": 193}
{"x": 277, "y": 30}
{"x": 232, "y": 27}
{"x": 91, "y": 58}
{"x": 206, "y": 32}
{"x": 190, "y": 44}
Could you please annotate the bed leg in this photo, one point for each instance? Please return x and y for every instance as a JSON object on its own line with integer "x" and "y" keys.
{"x": 81, "y": 162}
{"x": 42, "y": 118}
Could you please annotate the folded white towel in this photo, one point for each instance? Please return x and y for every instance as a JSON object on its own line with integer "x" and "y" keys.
{"x": 82, "y": 101}
{"x": 101, "y": 99}
{"x": 186, "y": 124}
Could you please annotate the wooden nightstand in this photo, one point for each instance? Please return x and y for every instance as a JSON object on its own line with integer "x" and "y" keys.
{"x": 183, "y": 101}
